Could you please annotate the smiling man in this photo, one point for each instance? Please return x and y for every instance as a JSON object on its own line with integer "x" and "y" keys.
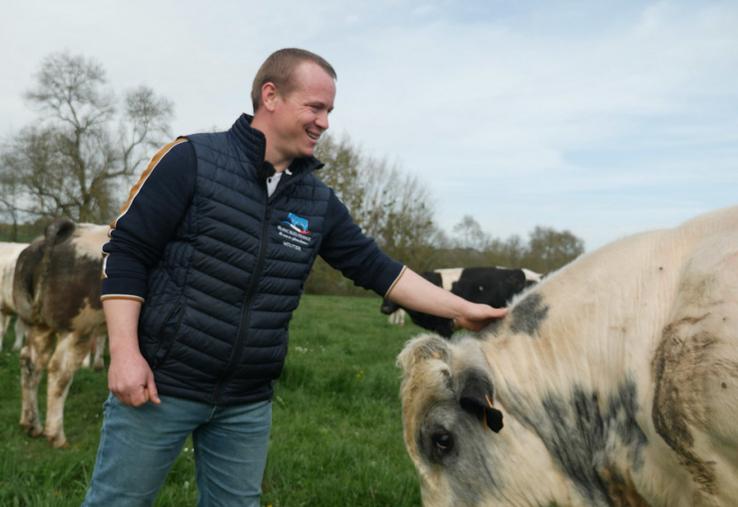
{"x": 204, "y": 267}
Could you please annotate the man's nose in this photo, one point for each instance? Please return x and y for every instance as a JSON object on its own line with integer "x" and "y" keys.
{"x": 322, "y": 120}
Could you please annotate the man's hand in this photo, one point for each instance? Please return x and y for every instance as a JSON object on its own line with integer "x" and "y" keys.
{"x": 415, "y": 292}
{"x": 131, "y": 379}
{"x": 477, "y": 316}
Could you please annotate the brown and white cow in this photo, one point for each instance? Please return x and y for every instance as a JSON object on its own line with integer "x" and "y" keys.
{"x": 57, "y": 296}
{"x": 614, "y": 382}
{"x": 8, "y": 257}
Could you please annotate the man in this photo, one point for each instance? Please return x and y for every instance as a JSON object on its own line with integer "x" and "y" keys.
{"x": 205, "y": 265}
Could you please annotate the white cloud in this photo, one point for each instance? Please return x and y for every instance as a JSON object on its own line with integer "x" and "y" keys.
{"x": 525, "y": 113}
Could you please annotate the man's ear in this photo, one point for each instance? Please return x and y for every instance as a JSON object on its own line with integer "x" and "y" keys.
{"x": 269, "y": 95}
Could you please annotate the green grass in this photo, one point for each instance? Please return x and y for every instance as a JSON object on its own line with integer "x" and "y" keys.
{"x": 336, "y": 436}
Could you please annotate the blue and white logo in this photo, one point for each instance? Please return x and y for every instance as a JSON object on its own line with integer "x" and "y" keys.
{"x": 297, "y": 224}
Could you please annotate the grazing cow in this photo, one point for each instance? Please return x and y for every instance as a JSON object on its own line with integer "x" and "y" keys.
{"x": 494, "y": 286}
{"x": 614, "y": 382}
{"x": 57, "y": 295}
{"x": 8, "y": 256}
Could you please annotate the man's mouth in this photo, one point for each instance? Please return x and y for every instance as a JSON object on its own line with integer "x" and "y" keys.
{"x": 313, "y": 135}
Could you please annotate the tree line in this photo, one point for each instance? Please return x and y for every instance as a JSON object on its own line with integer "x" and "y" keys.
{"x": 83, "y": 151}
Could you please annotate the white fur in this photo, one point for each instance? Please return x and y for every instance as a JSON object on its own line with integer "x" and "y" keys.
{"x": 449, "y": 276}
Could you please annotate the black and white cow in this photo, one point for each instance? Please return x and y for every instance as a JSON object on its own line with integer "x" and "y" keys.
{"x": 57, "y": 296}
{"x": 494, "y": 286}
{"x": 614, "y": 382}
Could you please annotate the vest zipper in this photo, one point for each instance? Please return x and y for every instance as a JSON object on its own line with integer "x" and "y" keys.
{"x": 246, "y": 310}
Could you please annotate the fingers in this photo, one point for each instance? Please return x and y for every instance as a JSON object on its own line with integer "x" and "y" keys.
{"x": 153, "y": 392}
{"x": 137, "y": 394}
{"x": 486, "y": 312}
{"x": 498, "y": 313}
{"x": 134, "y": 397}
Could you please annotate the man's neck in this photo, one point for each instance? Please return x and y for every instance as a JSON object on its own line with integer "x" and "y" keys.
{"x": 278, "y": 160}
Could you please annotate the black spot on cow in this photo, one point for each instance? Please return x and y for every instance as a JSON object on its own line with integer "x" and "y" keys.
{"x": 576, "y": 431}
{"x": 528, "y": 315}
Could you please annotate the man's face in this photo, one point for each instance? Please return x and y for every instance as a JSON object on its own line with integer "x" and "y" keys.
{"x": 301, "y": 116}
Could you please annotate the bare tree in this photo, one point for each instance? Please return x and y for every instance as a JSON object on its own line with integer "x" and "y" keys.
{"x": 469, "y": 234}
{"x": 84, "y": 146}
{"x": 393, "y": 207}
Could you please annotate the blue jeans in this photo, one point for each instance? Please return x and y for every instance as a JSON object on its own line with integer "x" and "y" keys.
{"x": 139, "y": 445}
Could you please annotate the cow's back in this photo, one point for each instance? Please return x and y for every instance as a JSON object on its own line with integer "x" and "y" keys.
{"x": 695, "y": 367}
{"x": 74, "y": 271}
{"x": 57, "y": 278}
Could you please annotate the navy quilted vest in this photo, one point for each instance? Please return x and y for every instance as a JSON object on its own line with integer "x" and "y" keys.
{"x": 214, "y": 325}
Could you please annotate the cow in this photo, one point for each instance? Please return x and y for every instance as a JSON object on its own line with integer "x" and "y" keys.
{"x": 494, "y": 286}
{"x": 8, "y": 256}
{"x": 613, "y": 382}
{"x": 57, "y": 296}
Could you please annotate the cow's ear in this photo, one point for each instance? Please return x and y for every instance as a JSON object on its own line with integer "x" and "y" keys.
{"x": 421, "y": 349}
{"x": 477, "y": 398}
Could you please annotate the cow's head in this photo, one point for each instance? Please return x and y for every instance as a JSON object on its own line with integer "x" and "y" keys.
{"x": 449, "y": 417}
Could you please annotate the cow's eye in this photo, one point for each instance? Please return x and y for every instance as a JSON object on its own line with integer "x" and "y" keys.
{"x": 443, "y": 441}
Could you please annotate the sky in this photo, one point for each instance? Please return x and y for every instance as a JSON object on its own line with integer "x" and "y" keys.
{"x": 604, "y": 118}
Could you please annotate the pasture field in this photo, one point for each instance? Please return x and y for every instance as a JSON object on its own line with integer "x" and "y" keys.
{"x": 336, "y": 438}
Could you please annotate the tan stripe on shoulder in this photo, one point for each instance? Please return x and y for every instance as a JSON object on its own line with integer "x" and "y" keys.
{"x": 144, "y": 176}
{"x": 129, "y": 297}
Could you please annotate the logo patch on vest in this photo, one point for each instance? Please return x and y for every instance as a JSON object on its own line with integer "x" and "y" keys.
{"x": 295, "y": 232}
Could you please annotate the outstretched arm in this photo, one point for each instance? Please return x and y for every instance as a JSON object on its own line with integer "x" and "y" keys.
{"x": 416, "y": 293}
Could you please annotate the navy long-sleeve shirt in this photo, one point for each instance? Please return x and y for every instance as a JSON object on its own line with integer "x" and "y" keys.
{"x": 158, "y": 203}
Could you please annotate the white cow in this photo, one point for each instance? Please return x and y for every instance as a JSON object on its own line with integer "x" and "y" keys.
{"x": 612, "y": 382}
{"x": 8, "y": 256}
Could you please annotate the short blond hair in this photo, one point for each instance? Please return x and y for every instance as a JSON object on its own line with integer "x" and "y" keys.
{"x": 279, "y": 67}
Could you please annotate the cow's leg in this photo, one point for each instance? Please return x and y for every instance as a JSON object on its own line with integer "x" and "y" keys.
{"x": 67, "y": 358}
{"x": 20, "y": 333}
{"x": 4, "y": 321}
{"x": 94, "y": 357}
{"x": 33, "y": 359}
{"x": 98, "y": 362}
